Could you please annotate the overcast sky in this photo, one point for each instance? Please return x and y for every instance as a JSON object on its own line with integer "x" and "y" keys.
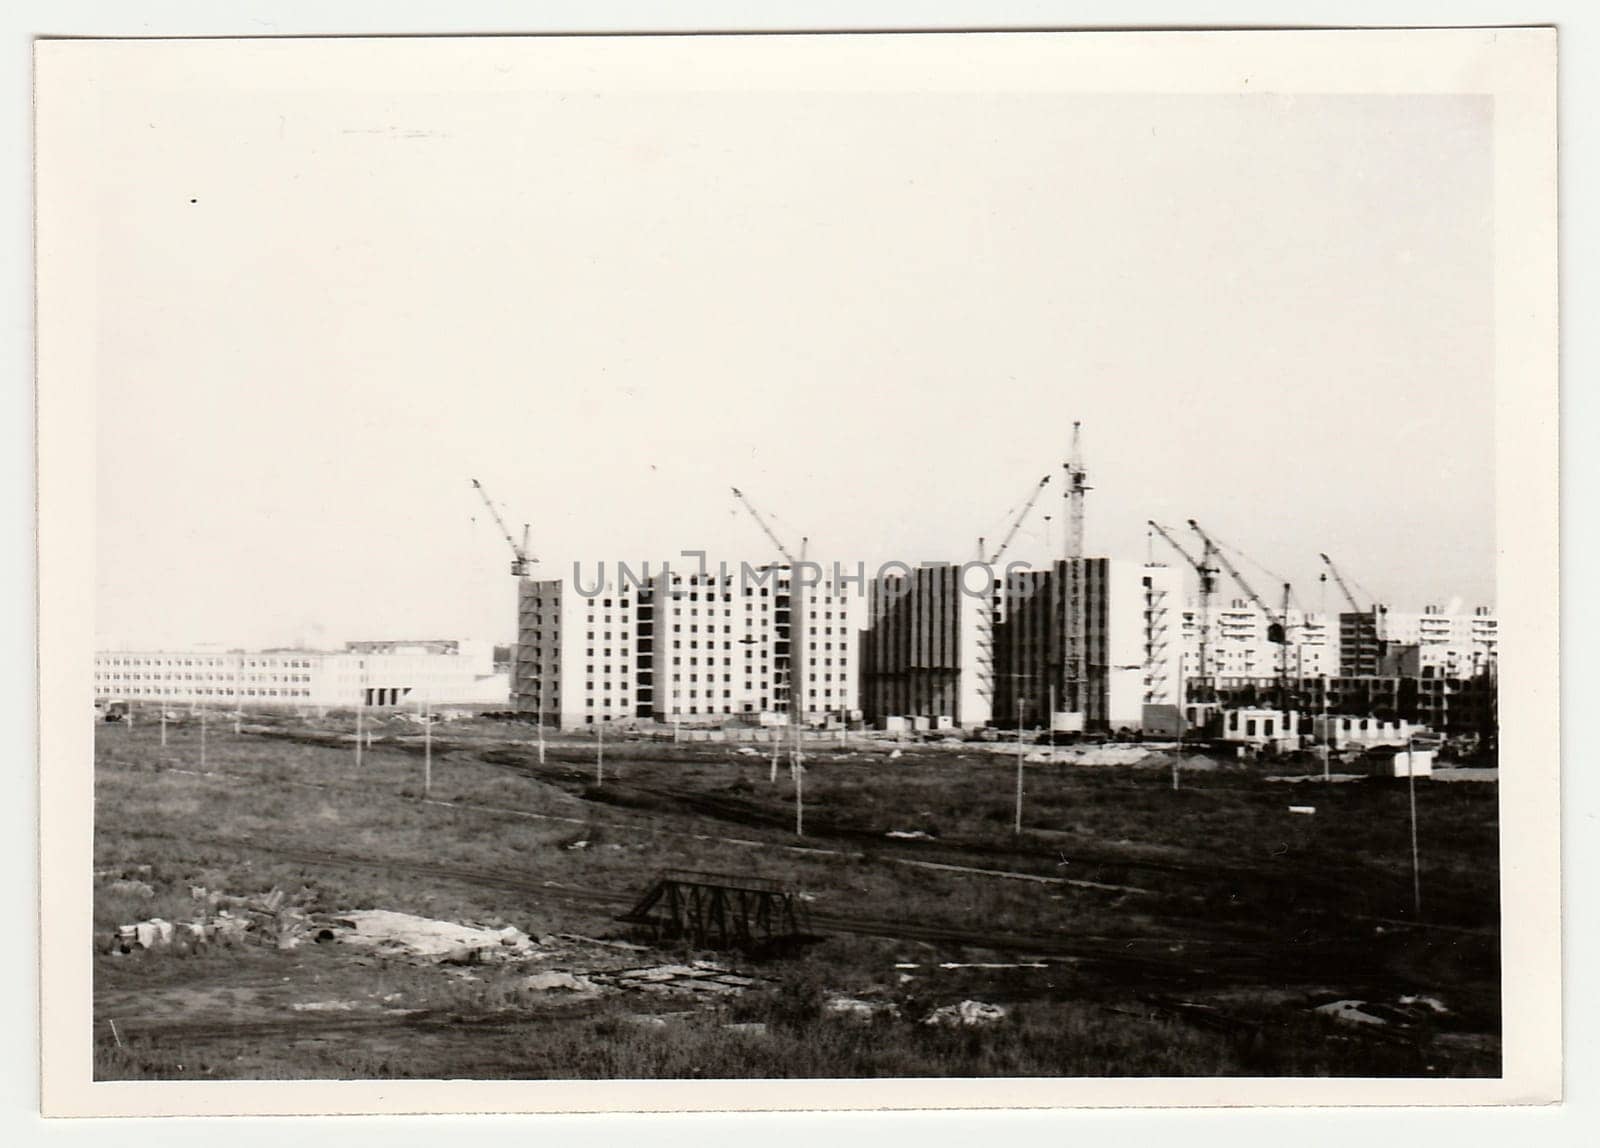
{"x": 322, "y": 313}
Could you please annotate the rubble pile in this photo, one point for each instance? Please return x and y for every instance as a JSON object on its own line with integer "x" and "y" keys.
{"x": 276, "y": 918}
{"x": 1405, "y": 1012}
{"x": 697, "y": 977}
{"x": 966, "y": 1014}
{"x": 404, "y": 934}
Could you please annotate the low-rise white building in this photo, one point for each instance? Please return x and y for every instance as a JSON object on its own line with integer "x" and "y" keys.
{"x": 375, "y": 674}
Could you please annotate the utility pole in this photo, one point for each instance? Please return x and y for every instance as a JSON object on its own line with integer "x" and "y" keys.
{"x": 543, "y": 669}
{"x": 1016, "y": 825}
{"x": 361, "y": 700}
{"x": 797, "y": 662}
{"x": 427, "y": 747}
{"x": 600, "y": 753}
{"x": 799, "y": 798}
{"x": 1327, "y": 745}
{"x": 202, "y": 738}
{"x": 772, "y": 776}
{"x": 1416, "y": 857}
{"x": 163, "y": 727}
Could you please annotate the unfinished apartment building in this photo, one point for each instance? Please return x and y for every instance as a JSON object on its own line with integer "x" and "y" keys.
{"x": 692, "y": 648}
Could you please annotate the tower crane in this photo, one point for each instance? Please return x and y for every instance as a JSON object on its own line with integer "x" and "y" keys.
{"x": 1033, "y": 497}
{"x": 1077, "y": 487}
{"x": 521, "y": 560}
{"x": 1207, "y": 575}
{"x": 1344, "y": 588}
{"x": 797, "y": 635}
{"x": 762, "y": 522}
{"x": 1278, "y": 630}
{"x": 1233, "y": 572}
{"x": 1376, "y": 610}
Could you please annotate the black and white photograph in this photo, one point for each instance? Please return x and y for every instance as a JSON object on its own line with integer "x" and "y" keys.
{"x": 960, "y": 557}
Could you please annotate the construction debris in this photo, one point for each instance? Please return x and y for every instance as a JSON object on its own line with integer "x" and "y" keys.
{"x": 132, "y": 888}
{"x": 859, "y": 1009}
{"x": 965, "y": 1014}
{"x": 1433, "y": 1004}
{"x": 553, "y": 981}
{"x": 1349, "y": 1012}
{"x": 274, "y": 918}
{"x": 700, "y": 977}
{"x": 388, "y": 931}
{"x": 1408, "y": 1010}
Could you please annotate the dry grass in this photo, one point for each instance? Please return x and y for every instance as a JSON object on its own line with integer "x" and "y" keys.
{"x": 1224, "y": 864}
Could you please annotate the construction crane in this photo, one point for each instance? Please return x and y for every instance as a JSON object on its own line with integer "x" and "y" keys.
{"x": 1344, "y": 588}
{"x": 1207, "y": 574}
{"x": 1375, "y": 609}
{"x": 1277, "y": 627}
{"x": 521, "y": 561}
{"x": 762, "y": 522}
{"x": 797, "y": 632}
{"x": 1005, "y": 543}
{"x": 1217, "y": 549}
{"x": 1072, "y": 664}
{"x": 1077, "y": 487}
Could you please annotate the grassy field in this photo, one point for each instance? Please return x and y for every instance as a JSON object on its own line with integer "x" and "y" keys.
{"x": 1187, "y": 932}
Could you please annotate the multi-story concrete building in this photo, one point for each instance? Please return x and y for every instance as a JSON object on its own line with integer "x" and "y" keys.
{"x": 1036, "y": 672}
{"x": 694, "y": 648}
{"x": 1164, "y": 667}
{"x": 1239, "y": 647}
{"x": 927, "y": 649}
{"x": 363, "y": 673}
{"x": 1449, "y": 644}
{"x": 976, "y": 655}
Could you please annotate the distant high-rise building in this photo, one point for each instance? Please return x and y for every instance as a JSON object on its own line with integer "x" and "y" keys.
{"x": 1451, "y": 645}
{"x": 1241, "y": 647}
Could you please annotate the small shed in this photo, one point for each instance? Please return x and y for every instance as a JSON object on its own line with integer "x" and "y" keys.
{"x": 1397, "y": 762}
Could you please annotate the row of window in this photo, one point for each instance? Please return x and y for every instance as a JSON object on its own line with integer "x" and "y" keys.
{"x": 109, "y": 676}
{"x": 229, "y": 663}
{"x": 169, "y": 692}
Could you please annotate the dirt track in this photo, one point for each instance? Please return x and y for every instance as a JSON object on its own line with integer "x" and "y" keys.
{"x": 1153, "y": 963}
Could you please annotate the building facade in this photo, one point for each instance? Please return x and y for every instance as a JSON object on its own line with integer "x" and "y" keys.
{"x": 1239, "y": 647}
{"x": 690, "y": 648}
{"x": 970, "y": 655}
{"x": 927, "y": 649}
{"x": 378, "y": 674}
{"x": 1448, "y": 644}
{"x": 1040, "y": 678}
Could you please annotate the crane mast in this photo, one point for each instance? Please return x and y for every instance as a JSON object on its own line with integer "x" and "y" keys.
{"x": 520, "y": 560}
{"x": 1077, "y": 487}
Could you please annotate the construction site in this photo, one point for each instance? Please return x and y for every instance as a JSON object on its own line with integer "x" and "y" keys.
{"x": 954, "y": 820}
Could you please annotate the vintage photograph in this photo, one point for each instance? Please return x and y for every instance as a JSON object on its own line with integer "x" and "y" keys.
{"x": 605, "y": 573}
